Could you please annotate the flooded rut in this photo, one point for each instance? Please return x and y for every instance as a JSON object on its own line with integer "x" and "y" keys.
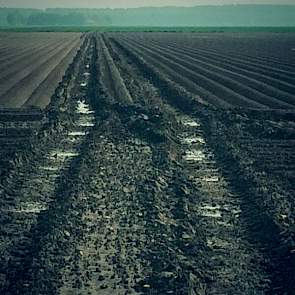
{"x": 32, "y": 189}
{"x": 219, "y": 209}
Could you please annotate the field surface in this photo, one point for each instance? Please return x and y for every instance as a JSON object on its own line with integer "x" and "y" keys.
{"x": 164, "y": 163}
{"x": 226, "y": 70}
{"x": 32, "y": 65}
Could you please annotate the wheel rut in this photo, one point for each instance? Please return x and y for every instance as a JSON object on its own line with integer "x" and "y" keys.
{"x": 201, "y": 210}
{"x": 131, "y": 185}
{"x": 30, "y": 190}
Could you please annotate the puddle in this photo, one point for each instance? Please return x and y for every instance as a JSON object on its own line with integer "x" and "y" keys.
{"x": 49, "y": 168}
{"x": 225, "y": 224}
{"x": 86, "y": 124}
{"x": 58, "y": 154}
{"x": 236, "y": 211}
{"x": 83, "y": 108}
{"x": 77, "y": 133}
{"x": 30, "y": 208}
{"x": 194, "y": 156}
{"x": 218, "y": 207}
{"x": 192, "y": 140}
{"x": 216, "y": 242}
{"x": 211, "y": 211}
{"x": 211, "y": 214}
{"x": 211, "y": 179}
{"x": 211, "y": 208}
{"x": 86, "y": 121}
{"x": 187, "y": 121}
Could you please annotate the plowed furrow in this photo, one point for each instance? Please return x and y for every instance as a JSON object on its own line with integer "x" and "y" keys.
{"x": 283, "y": 82}
{"x": 33, "y": 187}
{"x": 18, "y": 95}
{"x": 10, "y": 80}
{"x": 258, "y": 213}
{"x": 42, "y": 94}
{"x": 202, "y": 212}
{"x": 26, "y": 62}
{"x": 237, "y": 60}
{"x": 209, "y": 85}
{"x": 243, "y": 85}
{"x": 240, "y": 52}
{"x": 270, "y": 86}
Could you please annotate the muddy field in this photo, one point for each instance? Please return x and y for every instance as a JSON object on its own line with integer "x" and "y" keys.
{"x": 163, "y": 164}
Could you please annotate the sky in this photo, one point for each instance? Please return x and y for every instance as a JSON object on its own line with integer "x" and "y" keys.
{"x": 128, "y": 3}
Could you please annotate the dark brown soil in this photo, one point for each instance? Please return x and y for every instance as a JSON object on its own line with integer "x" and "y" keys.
{"x": 129, "y": 183}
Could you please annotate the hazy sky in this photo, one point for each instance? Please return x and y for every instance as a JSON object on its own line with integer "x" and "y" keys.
{"x": 129, "y": 3}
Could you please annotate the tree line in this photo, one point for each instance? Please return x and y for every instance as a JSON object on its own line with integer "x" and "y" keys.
{"x": 25, "y": 17}
{"x": 227, "y": 15}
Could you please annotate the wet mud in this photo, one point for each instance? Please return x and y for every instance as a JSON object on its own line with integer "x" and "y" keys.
{"x": 119, "y": 187}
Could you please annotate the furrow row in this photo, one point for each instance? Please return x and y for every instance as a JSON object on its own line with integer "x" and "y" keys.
{"x": 249, "y": 88}
{"x": 259, "y": 81}
{"x": 19, "y": 95}
{"x": 198, "y": 84}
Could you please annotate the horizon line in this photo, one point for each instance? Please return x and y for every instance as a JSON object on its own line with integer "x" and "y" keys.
{"x": 155, "y": 7}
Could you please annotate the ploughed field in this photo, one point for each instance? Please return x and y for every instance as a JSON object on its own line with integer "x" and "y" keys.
{"x": 32, "y": 65}
{"x": 148, "y": 163}
{"x": 226, "y": 70}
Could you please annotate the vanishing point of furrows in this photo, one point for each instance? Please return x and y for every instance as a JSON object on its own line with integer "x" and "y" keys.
{"x": 147, "y": 163}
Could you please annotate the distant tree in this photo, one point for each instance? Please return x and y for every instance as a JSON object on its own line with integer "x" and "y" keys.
{"x": 74, "y": 19}
{"x": 108, "y": 20}
{"x": 99, "y": 20}
{"x": 54, "y": 19}
{"x": 15, "y": 18}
